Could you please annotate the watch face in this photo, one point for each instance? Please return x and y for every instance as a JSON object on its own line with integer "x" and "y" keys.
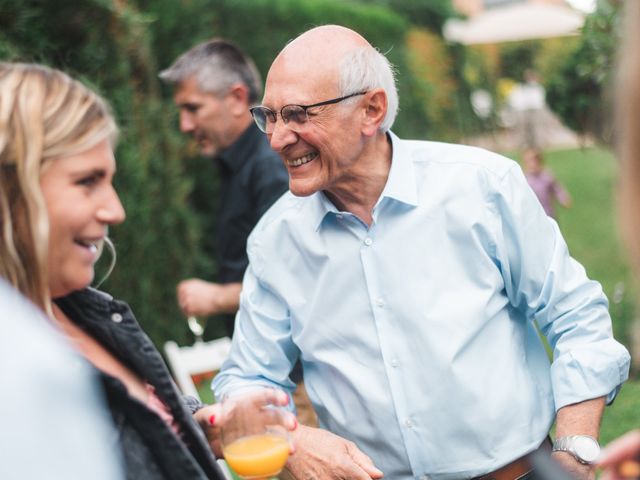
{"x": 586, "y": 448}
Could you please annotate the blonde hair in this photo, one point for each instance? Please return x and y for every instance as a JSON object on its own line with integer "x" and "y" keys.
{"x": 44, "y": 115}
{"x": 628, "y": 124}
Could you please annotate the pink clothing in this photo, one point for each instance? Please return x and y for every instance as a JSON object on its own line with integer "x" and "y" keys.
{"x": 547, "y": 189}
{"x": 158, "y": 407}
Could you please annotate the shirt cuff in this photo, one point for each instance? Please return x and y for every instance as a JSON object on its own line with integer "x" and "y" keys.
{"x": 585, "y": 373}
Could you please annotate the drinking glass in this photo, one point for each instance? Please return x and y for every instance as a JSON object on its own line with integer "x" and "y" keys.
{"x": 255, "y": 440}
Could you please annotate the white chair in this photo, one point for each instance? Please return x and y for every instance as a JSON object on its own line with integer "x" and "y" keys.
{"x": 201, "y": 357}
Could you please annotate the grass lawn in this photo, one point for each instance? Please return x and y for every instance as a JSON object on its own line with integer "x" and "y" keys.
{"x": 591, "y": 228}
{"x": 623, "y": 415}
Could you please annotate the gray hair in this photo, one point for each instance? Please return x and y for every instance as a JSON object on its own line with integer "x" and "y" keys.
{"x": 366, "y": 68}
{"x": 217, "y": 65}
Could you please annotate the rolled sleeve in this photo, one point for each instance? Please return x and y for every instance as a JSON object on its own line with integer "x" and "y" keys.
{"x": 594, "y": 370}
{"x": 571, "y": 310}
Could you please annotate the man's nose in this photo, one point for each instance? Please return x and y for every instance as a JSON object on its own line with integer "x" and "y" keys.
{"x": 186, "y": 122}
{"x": 281, "y": 136}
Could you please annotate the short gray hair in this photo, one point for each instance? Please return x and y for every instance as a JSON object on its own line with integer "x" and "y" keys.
{"x": 217, "y": 65}
{"x": 366, "y": 68}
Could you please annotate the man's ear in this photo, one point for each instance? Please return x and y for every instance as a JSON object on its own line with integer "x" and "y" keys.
{"x": 238, "y": 99}
{"x": 375, "y": 109}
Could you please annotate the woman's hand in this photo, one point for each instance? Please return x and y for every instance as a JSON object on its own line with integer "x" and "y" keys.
{"x": 620, "y": 459}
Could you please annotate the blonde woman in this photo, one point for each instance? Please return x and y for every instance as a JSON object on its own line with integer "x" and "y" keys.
{"x": 56, "y": 203}
{"x": 621, "y": 459}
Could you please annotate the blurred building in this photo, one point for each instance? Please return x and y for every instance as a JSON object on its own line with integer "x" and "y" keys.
{"x": 473, "y": 7}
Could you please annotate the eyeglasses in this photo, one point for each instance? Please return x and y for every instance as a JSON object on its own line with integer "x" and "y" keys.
{"x": 266, "y": 118}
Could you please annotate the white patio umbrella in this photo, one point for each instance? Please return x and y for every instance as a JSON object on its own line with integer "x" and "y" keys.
{"x": 520, "y": 21}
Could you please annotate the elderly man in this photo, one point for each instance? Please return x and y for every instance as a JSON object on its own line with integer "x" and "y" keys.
{"x": 408, "y": 277}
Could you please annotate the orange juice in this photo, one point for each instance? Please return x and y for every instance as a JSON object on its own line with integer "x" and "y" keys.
{"x": 257, "y": 456}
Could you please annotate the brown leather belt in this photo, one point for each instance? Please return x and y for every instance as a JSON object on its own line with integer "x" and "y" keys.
{"x": 516, "y": 469}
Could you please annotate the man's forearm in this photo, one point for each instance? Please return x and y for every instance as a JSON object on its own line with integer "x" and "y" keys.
{"x": 580, "y": 418}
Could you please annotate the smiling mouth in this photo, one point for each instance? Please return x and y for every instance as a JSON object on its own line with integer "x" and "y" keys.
{"x": 296, "y": 162}
{"x": 91, "y": 245}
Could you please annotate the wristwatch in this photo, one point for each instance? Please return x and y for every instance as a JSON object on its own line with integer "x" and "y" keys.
{"x": 584, "y": 448}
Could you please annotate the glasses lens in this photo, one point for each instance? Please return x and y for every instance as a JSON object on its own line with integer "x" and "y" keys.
{"x": 294, "y": 113}
{"x": 261, "y": 117}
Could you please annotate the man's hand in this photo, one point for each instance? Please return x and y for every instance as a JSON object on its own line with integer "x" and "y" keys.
{"x": 321, "y": 455}
{"x": 212, "y": 418}
{"x": 573, "y": 467}
{"x": 200, "y": 298}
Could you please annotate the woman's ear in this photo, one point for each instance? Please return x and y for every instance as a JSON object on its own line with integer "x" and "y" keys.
{"x": 375, "y": 110}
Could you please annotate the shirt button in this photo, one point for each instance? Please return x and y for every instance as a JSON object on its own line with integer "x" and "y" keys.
{"x": 395, "y": 363}
{"x": 339, "y": 216}
{"x": 116, "y": 317}
{"x": 424, "y": 477}
{"x": 408, "y": 423}
{"x": 368, "y": 241}
{"x": 379, "y": 302}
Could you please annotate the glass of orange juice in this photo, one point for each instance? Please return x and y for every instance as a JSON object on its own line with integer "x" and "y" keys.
{"x": 255, "y": 439}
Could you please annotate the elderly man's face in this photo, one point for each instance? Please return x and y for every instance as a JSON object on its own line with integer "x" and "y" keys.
{"x": 321, "y": 153}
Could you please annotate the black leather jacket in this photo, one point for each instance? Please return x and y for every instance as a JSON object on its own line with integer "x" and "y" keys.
{"x": 149, "y": 448}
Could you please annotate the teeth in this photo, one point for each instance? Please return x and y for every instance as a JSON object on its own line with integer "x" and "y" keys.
{"x": 302, "y": 160}
{"x": 93, "y": 248}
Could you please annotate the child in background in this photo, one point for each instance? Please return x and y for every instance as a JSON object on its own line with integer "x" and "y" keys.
{"x": 543, "y": 183}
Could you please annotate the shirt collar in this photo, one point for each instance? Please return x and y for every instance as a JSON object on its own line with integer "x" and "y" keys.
{"x": 321, "y": 206}
{"x": 400, "y": 186}
{"x": 231, "y": 157}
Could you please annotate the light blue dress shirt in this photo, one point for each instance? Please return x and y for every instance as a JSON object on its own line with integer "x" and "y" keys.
{"x": 417, "y": 334}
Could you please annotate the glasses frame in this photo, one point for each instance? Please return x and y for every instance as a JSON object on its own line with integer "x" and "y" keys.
{"x": 273, "y": 115}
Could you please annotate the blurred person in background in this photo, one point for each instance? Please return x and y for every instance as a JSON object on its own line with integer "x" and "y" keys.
{"x": 56, "y": 204}
{"x": 543, "y": 183}
{"x": 528, "y": 101}
{"x": 215, "y": 83}
{"x": 53, "y": 416}
{"x": 621, "y": 458}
